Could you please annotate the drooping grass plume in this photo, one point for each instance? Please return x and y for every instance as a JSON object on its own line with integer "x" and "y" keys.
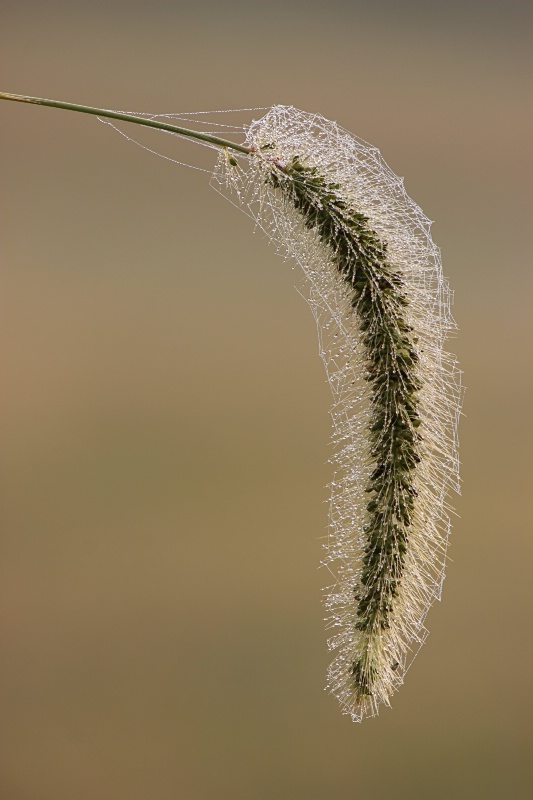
{"x": 382, "y": 308}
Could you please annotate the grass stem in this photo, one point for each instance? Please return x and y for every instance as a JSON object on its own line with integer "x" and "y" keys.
{"x": 149, "y": 123}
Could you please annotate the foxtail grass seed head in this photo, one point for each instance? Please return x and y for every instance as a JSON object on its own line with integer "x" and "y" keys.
{"x": 382, "y": 307}
{"x": 375, "y": 286}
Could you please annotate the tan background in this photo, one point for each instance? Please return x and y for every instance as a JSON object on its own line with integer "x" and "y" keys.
{"x": 165, "y": 415}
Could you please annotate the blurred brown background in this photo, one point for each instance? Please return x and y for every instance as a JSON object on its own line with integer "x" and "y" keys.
{"x": 165, "y": 414}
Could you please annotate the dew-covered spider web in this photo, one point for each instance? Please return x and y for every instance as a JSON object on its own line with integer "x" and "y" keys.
{"x": 367, "y": 185}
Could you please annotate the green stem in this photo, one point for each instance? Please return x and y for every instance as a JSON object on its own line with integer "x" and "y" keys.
{"x": 149, "y": 123}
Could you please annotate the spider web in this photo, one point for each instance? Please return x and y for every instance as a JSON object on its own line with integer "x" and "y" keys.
{"x": 371, "y": 187}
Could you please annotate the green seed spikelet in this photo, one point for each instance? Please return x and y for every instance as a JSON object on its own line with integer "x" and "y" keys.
{"x": 382, "y": 310}
{"x": 390, "y": 367}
